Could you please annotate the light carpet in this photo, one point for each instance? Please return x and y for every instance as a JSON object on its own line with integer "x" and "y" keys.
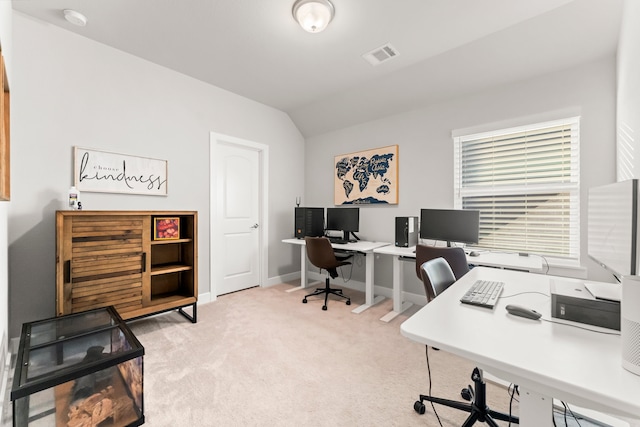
{"x": 260, "y": 357}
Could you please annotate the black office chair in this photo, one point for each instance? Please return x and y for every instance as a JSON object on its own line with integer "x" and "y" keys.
{"x": 438, "y": 276}
{"x": 321, "y": 254}
{"x": 456, "y": 258}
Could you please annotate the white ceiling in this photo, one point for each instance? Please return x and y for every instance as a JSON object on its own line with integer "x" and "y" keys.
{"x": 254, "y": 48}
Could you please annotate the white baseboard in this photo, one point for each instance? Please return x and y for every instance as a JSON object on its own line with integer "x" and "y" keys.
{"x": 5, "y": 359}
{"x": 276, "y": 280}
{"x": 205, "y": 298}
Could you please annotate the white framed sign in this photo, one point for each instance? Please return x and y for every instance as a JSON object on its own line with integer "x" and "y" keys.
{"x": 104, "y": 172}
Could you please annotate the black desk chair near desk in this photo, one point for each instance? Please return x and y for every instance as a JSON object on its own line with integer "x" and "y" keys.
{"x": 456, "y": 258}
{"x": 439, "y": 277}
{"x": 321, "y": 254}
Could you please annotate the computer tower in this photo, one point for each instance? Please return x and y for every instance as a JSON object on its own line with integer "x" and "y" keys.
{"x": 406, "y": 231}
{"x": 309, "y": 222}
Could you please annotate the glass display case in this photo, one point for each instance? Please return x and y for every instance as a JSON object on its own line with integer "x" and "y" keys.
{"x": 79, "y": 370}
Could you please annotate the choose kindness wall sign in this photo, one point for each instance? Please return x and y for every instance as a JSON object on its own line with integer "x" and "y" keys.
{"x": 101, "y": 171}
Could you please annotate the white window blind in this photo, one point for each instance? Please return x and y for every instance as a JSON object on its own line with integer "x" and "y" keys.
{"x": 525, "y": 182}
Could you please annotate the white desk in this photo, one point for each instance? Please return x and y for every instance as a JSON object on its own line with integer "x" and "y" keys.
{"x": 547, "y": 360}
{"x": 360, "y": 246}
{"x": 398, "y": 278}
{"x": 486, "y": 258}
{"x": 509, "y": 261}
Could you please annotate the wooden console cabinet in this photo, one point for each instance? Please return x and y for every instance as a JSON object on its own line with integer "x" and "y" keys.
{"x": 108, "y": 258}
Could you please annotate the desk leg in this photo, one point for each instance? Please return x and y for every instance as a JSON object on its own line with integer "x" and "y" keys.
{"x": 398, "y": 278}
{"x": 369, "y": 298}
{"x": 536, "y": 410}
{"x": 303, "y": 270}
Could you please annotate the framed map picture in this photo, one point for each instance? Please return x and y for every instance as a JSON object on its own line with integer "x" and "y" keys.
{"x": 367, "y": 177}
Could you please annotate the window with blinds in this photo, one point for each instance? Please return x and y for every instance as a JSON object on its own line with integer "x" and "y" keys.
{"x": 525, "y": 182}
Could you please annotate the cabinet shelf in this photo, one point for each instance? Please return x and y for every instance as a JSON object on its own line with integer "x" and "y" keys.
{"x": 169, "y": 268}
{"x": 171, "y": 297}
{"x": 169, "y": 242}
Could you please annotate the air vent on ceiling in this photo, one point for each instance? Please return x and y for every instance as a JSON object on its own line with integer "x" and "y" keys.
{"x": 381, "y": 54}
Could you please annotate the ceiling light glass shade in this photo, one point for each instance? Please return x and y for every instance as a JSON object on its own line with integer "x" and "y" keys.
{"x": 313, "y": 15}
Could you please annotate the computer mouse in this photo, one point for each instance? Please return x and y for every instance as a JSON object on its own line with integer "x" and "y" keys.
{"x": 518, "y": 310}
{"x": 474, "y": 253}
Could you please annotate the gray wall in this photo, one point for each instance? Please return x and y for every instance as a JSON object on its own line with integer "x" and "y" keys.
{"x": 628, "y": 111}
{"x": 7, "y": 49}
{"x": 426, "y": 148}
{"x": 70, "y": 91}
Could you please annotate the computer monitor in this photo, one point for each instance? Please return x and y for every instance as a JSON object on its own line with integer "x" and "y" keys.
{"x": 346, "y": 220}
{"x": 612, "y": 227}
{"x": 450, "y": 225}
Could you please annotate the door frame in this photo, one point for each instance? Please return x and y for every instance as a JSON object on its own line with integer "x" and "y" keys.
{"x": 217, "y": 139}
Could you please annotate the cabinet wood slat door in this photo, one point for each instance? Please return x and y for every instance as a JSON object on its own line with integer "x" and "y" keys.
{"x": 105, "y": 262}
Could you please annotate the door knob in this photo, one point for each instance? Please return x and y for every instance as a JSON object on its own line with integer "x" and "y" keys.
{"x": 254, "y": 226}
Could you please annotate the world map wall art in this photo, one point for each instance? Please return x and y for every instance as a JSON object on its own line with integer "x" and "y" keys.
{"x": 367, "y": 177}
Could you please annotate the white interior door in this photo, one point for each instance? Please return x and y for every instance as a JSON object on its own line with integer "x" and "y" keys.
{"x": 237, "y": 210}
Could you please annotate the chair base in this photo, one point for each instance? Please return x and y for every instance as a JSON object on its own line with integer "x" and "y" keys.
{"x": 477, "y": 408}
{"x": 326, "y": 291}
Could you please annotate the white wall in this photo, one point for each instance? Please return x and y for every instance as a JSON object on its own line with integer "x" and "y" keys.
{"x": 628, "y": 111}
{"x": 70, "y": 91}
{"x": 6, "y": 44}
{"x": 426, "y": 148}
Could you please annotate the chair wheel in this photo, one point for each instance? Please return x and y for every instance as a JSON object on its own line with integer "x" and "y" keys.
{"x": 348, "y": 302}
{"x": 324, "y": 307}
{"x": 465, "y": 394}
{"x": 419, "y": 407}
{"x": 304, "y": 300}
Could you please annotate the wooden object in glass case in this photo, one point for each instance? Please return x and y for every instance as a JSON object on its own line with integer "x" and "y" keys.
{"x": 80, "y": 370}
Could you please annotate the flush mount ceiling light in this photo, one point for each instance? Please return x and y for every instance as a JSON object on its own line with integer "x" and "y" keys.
{"x": 313, "y": 15}
{"x": 76, "y": 18}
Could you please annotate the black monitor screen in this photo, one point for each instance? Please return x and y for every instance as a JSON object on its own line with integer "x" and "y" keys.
{"x": 450, "y": 225}
{"x": 343, "y": 219}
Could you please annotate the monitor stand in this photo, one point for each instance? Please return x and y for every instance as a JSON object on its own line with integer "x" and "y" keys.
{"x": 346, "y": 234}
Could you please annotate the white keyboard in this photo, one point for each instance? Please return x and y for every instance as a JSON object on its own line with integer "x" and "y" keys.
{"x": 483, "y": 293}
